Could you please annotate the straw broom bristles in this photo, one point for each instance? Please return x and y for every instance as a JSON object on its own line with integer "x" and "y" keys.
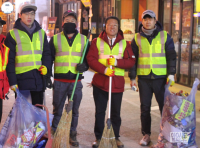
{"x": 61, "y": 136}
{"x": 108, "y": 138}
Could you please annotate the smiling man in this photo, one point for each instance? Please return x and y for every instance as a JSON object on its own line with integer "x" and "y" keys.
{"x": 155, "y": 64}
{"x": 29, "y": 56}
{"x": 110, "y": 43}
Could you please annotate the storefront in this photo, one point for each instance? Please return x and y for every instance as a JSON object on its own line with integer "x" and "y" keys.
{"x": 181, "y": 20}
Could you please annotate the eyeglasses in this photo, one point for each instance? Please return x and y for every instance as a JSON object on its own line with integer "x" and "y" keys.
{"x": 114, "y": 26}
{"x": 28, "y": 13}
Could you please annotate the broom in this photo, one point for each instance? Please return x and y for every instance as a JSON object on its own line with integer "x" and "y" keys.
{"x": 61, "y": 136}
{"x": 108, "y": 137}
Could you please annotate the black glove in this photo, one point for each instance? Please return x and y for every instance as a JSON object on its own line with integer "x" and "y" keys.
{"x": 81, "y": 67}
{"x": 48, "y": 82}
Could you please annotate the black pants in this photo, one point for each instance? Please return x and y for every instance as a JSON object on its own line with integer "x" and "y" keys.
{"x": 101, "y": 99}
{"x": 146, "y": 89}
{"x": 37, "y": 97}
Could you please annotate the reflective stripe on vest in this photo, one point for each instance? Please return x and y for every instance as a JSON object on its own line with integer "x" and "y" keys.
{"x": 28, "y": 53}
{"x": 4, "y": 58}
{"x": 105, "y": 52}
{"x": 68, "y": 57}
{"x": 152, "y": 57}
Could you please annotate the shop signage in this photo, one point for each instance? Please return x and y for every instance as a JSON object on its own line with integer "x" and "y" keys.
{"x": 128, "y": 28}
{"x": 86, "y": 3}
{"x": 7, "y": 7}
{"x": 197, "y": 5}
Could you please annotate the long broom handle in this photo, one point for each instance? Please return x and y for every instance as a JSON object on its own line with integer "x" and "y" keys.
{"x": 109, "y": 97}
{"x": 110, "y": 90}
{"x": 82, "y": 58}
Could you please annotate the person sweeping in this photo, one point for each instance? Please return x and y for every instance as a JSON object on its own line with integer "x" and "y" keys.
{"x": 109, "y": 43}
{"x": 67, "y": 48}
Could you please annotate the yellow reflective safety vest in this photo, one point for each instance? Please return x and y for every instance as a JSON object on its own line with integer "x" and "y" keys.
{"x": 3, "y": 57}
{"x": 152, "y": 56}
{"x": 28, "y": 53}
{"x": 105, "y": 52}
{"x": 67, "y": 57}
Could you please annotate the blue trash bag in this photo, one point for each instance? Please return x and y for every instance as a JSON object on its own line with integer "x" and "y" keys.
{"x": 41, "y": 144}
{"x": 178, "y": 123}
{"x": 25, "y": 125}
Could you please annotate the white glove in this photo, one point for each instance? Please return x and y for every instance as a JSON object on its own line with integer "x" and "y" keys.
{"x": 134, "y": 85}
{"x": 171, "y": 78}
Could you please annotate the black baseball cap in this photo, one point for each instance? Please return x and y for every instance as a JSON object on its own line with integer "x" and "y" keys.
{"x": 2, "y": 21}
{"x": 69, "y": 13}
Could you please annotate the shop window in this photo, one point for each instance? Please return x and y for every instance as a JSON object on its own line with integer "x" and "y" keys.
{"x": 176, "y": 28}
{"x": 195, "y": 65}
{"x": 166, "y": 15}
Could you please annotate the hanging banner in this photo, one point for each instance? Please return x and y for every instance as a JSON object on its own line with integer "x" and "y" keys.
{"x": 86, "y": 3}
{"x": 51, "y": 26}
{"x": 197, "y": 5}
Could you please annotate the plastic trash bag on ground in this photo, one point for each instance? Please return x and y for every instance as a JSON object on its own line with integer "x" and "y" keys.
{"x": 25, "y": 125}
{"x": 178, "y": 123}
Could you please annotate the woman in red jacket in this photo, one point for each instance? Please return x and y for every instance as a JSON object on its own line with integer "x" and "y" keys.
{"x": 4, "y": 86}
{"x": 109, "y": 43}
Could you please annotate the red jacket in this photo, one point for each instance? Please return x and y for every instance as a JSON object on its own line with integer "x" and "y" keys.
{"x": 100, "y": 80}
{"x": 4, "y": 85}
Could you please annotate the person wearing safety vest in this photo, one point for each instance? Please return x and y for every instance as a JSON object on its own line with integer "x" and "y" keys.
{"x": 30, "y": 56}
{"x": 110, "y": 48}
{"x": 155, "y": 66}
{"x": 66, "y": 48}
{"x": 4, "y": 51}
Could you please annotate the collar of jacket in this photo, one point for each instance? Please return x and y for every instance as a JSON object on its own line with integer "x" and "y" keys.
{"x": 155, "y": 33}
{"x": 72, "y": 36}
{"x": 119, "y": 37}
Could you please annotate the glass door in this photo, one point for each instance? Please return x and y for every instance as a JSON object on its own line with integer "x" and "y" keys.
{"x": 185, "y": 41}
{"x": 176, "y": 32}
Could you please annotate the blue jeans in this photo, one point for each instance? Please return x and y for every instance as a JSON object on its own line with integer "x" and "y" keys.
{"x": 61, "y": 91}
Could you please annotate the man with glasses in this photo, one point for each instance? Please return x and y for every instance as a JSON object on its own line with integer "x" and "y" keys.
{"x": 29, "y": 56}
{"x": 109, "y": 48}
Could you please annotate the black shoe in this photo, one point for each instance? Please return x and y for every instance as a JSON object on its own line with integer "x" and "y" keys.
{"x": 73, "y": 141}
{"x": 96, "y": 143}
{"x": 119, "y": 143}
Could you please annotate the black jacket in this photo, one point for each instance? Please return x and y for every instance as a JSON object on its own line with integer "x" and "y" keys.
{"x": 31, "y": 80}
{"x": 69, "y": 75}
{"x": 169, "y": 51}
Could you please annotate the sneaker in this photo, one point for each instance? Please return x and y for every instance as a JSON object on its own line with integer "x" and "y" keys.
{"x": 119, "y": 143}
{"x": 145, "y": 140}
{"x": 96, "y": 143}
{"x": 73, "y": 141}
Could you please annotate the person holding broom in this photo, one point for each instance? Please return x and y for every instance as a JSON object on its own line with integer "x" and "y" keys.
{"x": 109, "y": 48}
{"x": 30, "y": 56}
{"x": 67, "y": 48}
{"x": 155, "y": 65}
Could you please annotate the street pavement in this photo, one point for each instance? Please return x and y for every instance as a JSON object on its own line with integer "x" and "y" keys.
{"x": 130, "y": 131}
